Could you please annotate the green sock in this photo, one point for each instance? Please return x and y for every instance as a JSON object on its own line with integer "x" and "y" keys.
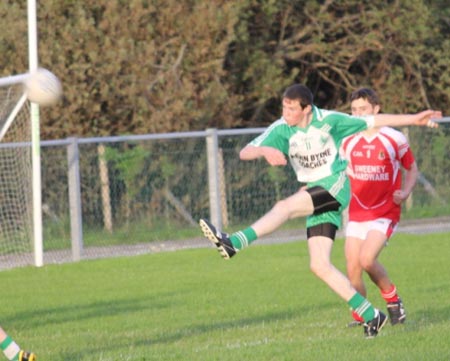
{"x": 10, "y": 349}
{"x": 243, "y": 238}
{"x": 362, "y": 307}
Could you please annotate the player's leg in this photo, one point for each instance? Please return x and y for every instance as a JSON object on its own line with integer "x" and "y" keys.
{"x": 320, "y": 264}
{"x": 320, "y": 242}
{"x": 12, "y": 351}
{"x": 329, "y": 194}
{"x": 353, "y": 266}
{"x": 368, "y": 258}
{"x": 375, "y": 242}
{"x": 299, "y": 204}
{"x": 307, "y": 201}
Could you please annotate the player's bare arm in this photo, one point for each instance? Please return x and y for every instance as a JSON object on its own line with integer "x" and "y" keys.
{"x": 423, "y": 118}
{"x": 411, "y": 175}
{"x": 273, "y": 156}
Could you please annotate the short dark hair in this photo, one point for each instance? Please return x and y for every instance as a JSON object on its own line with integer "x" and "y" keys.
{"x": 366, "y": 93}
{"x": 299, "y": 92}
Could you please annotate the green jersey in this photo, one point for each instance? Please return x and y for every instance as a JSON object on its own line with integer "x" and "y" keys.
{"x": 314, "y": 151}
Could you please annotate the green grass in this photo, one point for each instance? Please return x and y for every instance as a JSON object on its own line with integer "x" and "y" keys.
{"x": 191, "y": 305}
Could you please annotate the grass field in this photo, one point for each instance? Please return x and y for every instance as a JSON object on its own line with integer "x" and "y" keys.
{"x": 264, "y": 304}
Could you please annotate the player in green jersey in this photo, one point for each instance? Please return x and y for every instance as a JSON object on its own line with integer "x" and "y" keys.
{"x": 310, "y": 139}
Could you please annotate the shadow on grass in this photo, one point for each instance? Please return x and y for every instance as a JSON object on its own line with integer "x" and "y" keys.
{"x": 195, "y": 330}
{"x": 425, "y": 317}
{"x": 95, "y": 310}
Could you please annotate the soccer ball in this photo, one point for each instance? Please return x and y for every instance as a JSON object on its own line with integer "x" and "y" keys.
{"x": 43, "y": 87}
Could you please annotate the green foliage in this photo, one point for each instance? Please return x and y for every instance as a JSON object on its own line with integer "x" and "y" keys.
{"x": 177, "y": 306}
{"x": 147, "y": 66}
{"x": 430, "y": 148}
{"x": 130, "y": 67}
{"x": 129, "y": 163}
{"x": 277, "y": 177}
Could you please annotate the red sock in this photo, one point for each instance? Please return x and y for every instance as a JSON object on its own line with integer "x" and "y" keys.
{"x": 390, "y": 295}
{"x": 357, "y": 317}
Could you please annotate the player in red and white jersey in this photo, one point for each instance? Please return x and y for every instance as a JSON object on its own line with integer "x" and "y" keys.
{"x": 376, "y": 160}
{"x": 377, "y": 157}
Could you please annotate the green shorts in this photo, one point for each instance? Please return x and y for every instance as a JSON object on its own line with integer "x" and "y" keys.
{"x": 338, "y": 186}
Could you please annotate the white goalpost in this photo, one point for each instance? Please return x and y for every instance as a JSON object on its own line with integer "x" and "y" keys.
{"x": 35, "y": 139}
{"x": 20, "y": 164}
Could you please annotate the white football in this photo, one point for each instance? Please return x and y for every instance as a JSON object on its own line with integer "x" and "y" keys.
{"x": 43, "y": 87}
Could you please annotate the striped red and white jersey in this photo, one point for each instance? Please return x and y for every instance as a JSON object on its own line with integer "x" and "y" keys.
{"x": 374, "y": 168}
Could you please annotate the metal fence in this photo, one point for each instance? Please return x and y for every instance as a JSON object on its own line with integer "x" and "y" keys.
{"x": 127, "y": 195}
{"x": 133, "y": 194}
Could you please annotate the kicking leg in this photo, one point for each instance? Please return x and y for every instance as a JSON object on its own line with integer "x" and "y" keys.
{"x": 297, "y": 205}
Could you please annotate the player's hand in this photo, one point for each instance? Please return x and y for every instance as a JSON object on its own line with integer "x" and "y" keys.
{"x": 425, "y": 118}
{"x": 399, "y": 196}
{"x": 274, "y": 156}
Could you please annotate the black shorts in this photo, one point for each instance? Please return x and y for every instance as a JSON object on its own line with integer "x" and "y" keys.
{"x": 323, "y": 201}
{"x": 324, "y": 230}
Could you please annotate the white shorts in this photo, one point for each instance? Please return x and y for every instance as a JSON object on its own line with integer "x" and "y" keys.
{"x": 360, "y": 229}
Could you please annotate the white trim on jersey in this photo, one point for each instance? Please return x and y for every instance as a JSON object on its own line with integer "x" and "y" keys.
{"x": 260, "y": 139}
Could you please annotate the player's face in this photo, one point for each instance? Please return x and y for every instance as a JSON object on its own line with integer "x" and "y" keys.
{"x": 362, "y": 107}
{"x": 293, "y": 113}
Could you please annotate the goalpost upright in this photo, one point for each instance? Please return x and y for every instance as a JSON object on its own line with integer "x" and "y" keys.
{"x": 35, "y": 139}
{"x": 21, "y": 226}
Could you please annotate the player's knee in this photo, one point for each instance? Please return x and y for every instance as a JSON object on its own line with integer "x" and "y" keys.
{"x": 283, "y": 207}
{"x": 367, "y": 262}
{"x": 354, "y": 272}
{"x": 320, "y": 268}
{"x": 353, "y": 263}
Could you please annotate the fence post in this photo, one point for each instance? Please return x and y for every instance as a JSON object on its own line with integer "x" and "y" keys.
{"x": 212, "y": 151}
{"x": 76, "y": 225}
{"x": 223, "y": 190}
{"x": 104, "y": 185}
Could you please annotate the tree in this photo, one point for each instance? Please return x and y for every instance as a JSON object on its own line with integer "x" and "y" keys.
{"x": 335, "y": 47}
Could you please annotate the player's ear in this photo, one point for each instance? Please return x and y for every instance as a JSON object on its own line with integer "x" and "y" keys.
{"x": 376, "y": 109}
{"x": 308, "y": 109}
